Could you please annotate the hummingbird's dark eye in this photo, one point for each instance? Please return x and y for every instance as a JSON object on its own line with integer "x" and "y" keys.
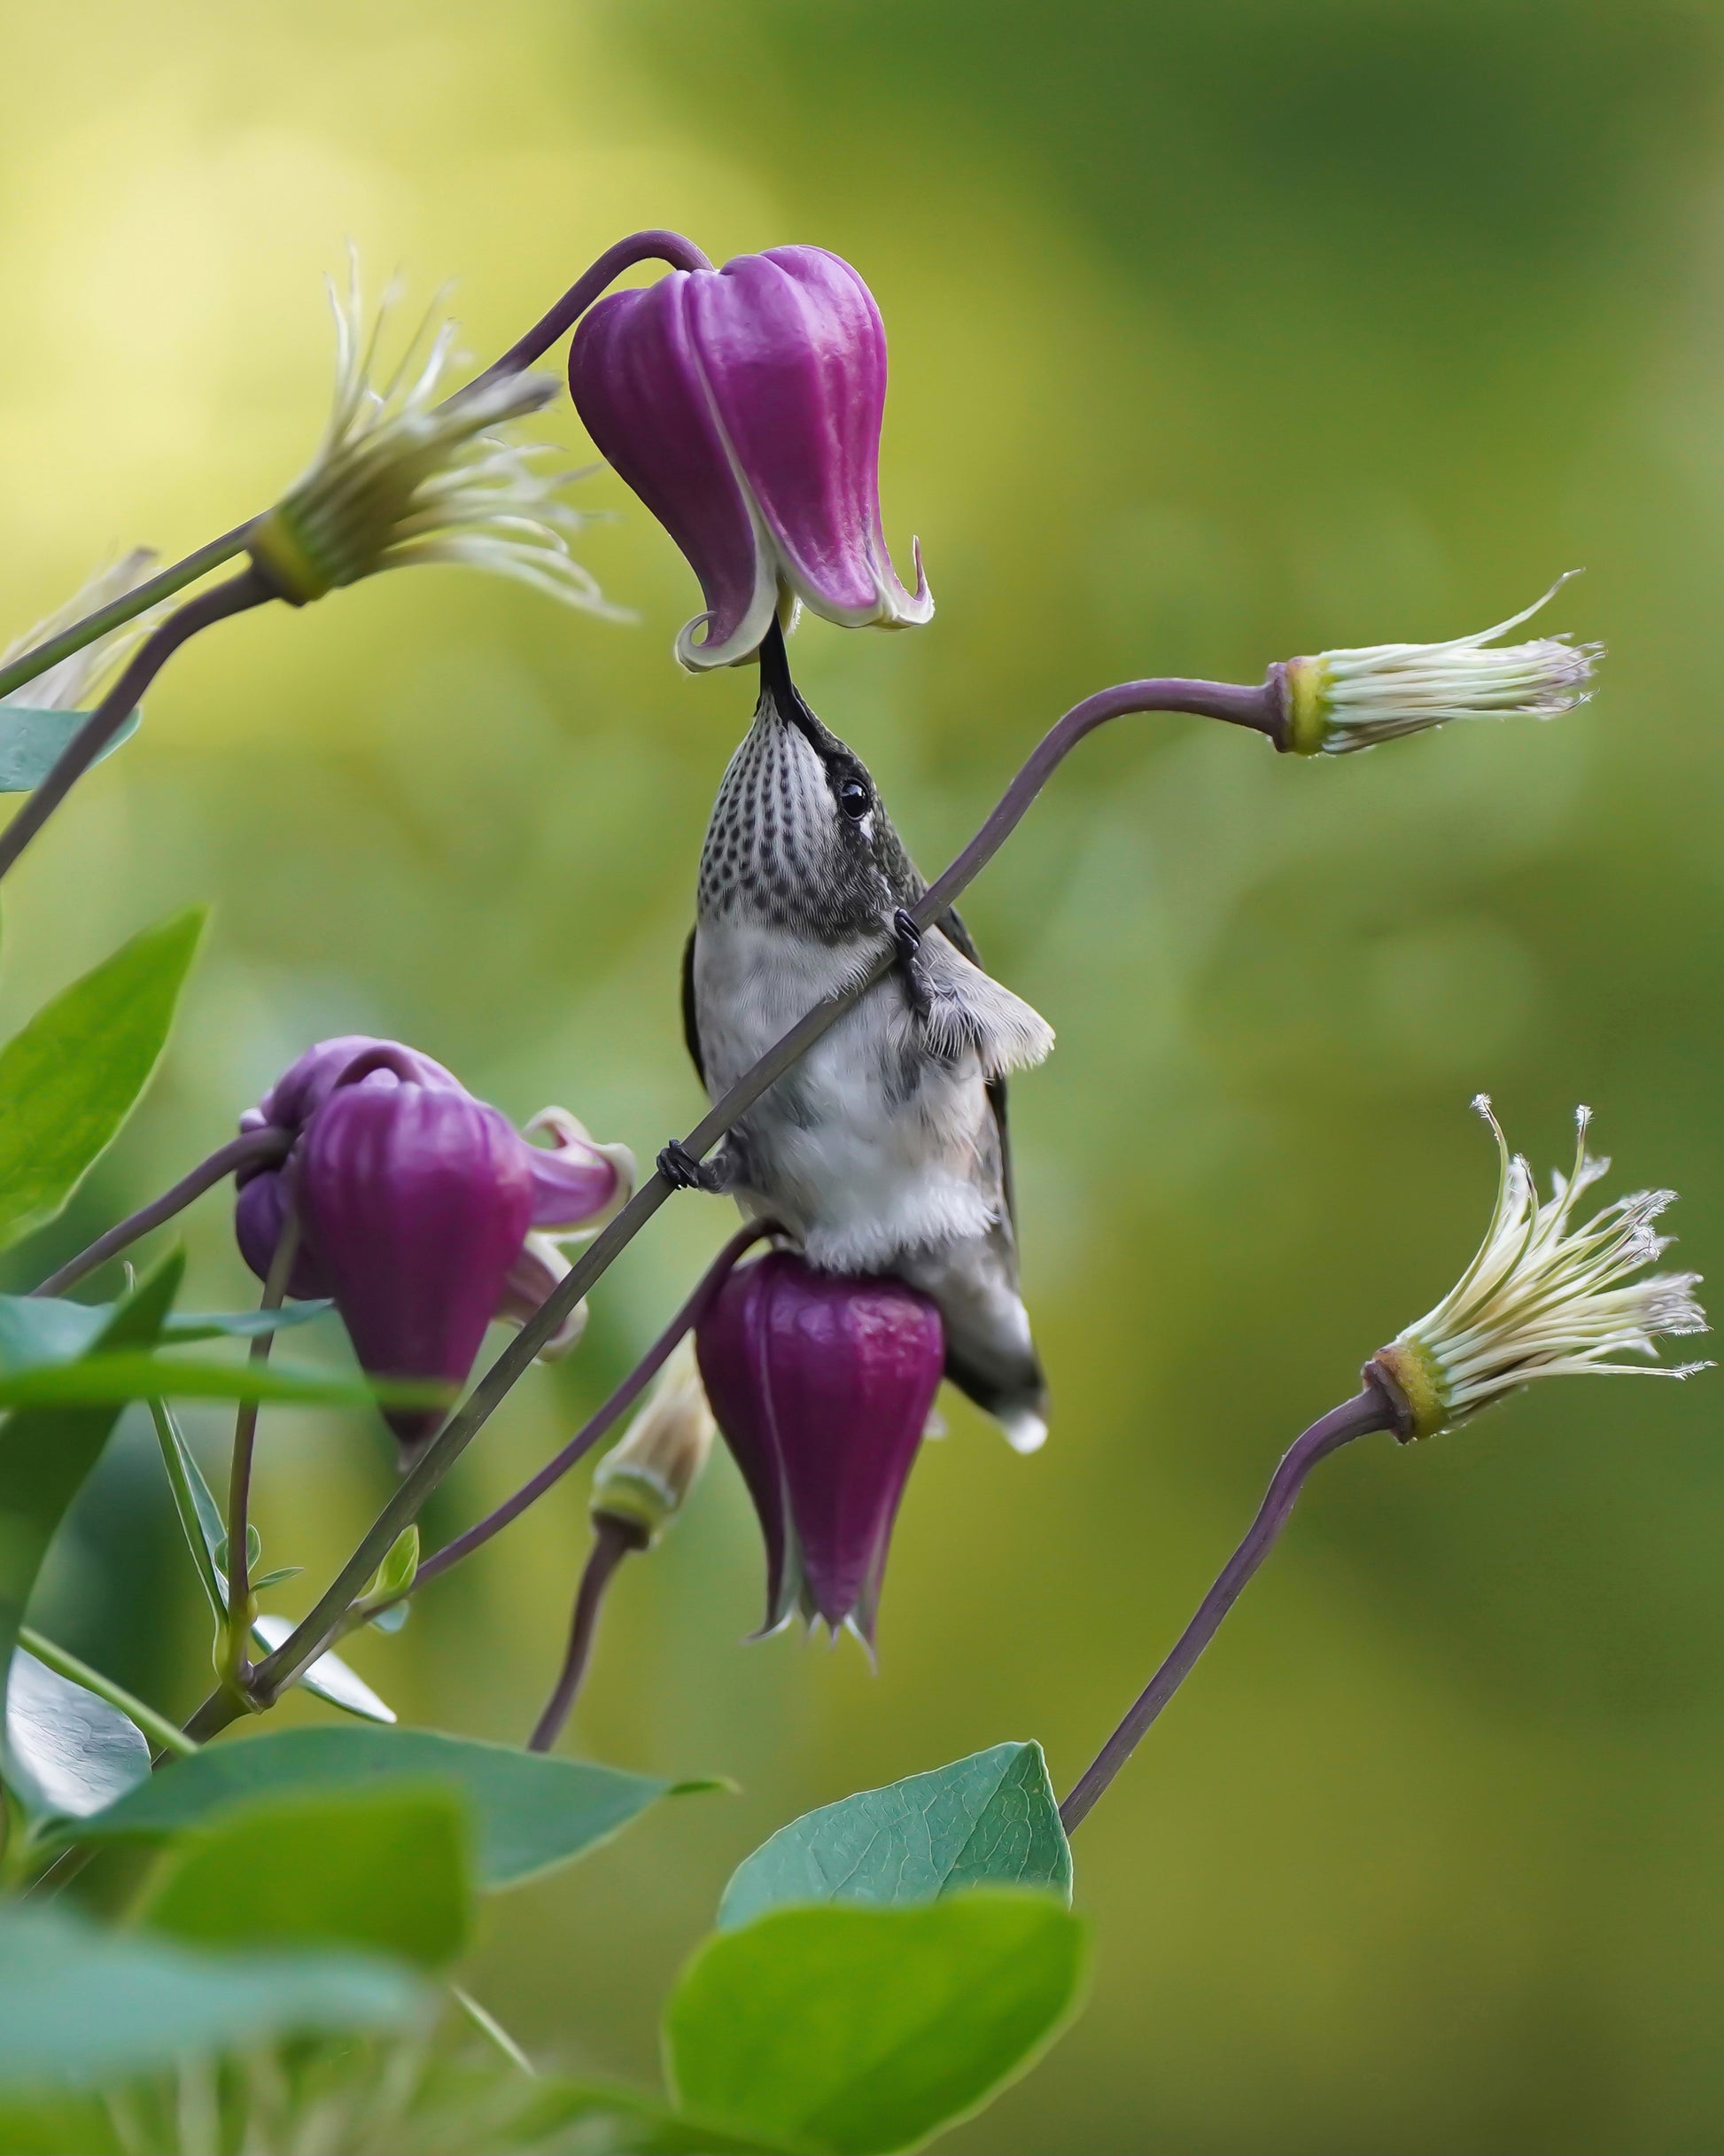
{"x": 853, "y": 799}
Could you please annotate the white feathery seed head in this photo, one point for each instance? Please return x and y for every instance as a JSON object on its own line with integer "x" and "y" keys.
{"x": 75, "y": 683}
{"x": 1545, "y": 1296}
{"x": 1341, "y": 701}
{"x": 405, "y": 475}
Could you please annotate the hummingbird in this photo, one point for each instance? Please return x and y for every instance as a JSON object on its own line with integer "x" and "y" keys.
{"x": 885, "y": 1149}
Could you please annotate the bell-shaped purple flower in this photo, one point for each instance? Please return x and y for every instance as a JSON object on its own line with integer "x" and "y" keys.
{"x": 744, "y": 405}
{"x": 822, "y": 1385}
{"x": 420, "y": 1208}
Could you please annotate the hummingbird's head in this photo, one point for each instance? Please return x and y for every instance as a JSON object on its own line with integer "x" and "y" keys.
{"x": 799, "y": 838}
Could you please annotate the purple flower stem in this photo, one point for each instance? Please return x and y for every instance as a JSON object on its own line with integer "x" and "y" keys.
{"x": 1262, "y": 708}
{"x": 669, "y": 247}
{"x": 1370, "y": 1410}
{"x": 257, "y": 1148}
{"x": 238, "y": 593}
{"x": 620, "y": 1401}
{"x": 237, "y": 1664}
{"x": 612, "y": 1541}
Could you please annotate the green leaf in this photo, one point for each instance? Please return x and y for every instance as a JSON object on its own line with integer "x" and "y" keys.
{"x": 385, "y": 1869}
{"x": 67, "y": 1752}
{"x": 31, "y": 740}
{"x": 83, "y": 2006}
{"x": 529, "y": 1811}
{"x": 43, "y": 1329}
{"x": 74, "y": 1073}
{"x": 45, "y": 1453}
{"x": 109, "y": 1378}
{"x": 990, "y": 1817}
{"x": 859, "y": 2031}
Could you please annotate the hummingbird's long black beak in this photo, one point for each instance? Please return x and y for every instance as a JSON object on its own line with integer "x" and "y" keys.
{"x": 775, "y": 682}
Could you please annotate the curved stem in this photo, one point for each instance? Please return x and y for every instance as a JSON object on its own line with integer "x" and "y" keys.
{"x": 238, "y": 1630}
{"x": 1262, "y": 708}
{"x": 612, "y": 1541}
{"x": 254, "y": 1149}
{"x": 158, "y": 1728}
{"x": 244, "y": 590}
{"x": 1370, "y": 1410}
{"x": 655, "y": 247}
{"x": 669, "y": 247}
{"x": 620, "y": 1401}
{"x": 126, "y": 608}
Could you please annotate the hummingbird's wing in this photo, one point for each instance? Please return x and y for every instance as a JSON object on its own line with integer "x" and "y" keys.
{"x": 956, "y": 929}
{"x": 691, "y": 1029}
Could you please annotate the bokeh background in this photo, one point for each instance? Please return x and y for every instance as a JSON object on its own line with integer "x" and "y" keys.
{"x": 1220, "y": 332}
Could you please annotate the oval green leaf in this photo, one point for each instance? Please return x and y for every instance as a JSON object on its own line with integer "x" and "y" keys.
{"x": 529, "y": 1811}
{"x": 68, "y": 1752}
{"x": 990, "y": 1818}
{"x": 31, "y": 739}
{"x": 71, "y": 1077}
{"x": 854, "y": 2032}
{"x": 83, "y": 2006}
{"x": 383, "y": 1869}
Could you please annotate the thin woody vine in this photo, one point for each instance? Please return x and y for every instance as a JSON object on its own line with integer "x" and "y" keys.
{"x": 854, "y": 1050}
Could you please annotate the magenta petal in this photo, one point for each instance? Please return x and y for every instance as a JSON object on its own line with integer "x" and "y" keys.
{"x": 794, "y": 351}
{"x": 416, "y": 1200}
{"x": 822, "y": 1385}
{"x": 637, "y": 385}
{"x": 308, "y": 1081}
{"x": 259, "y": 1211}
{"x": 569, "y": 1184}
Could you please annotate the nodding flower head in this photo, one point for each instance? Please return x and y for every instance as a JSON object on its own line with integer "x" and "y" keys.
{"x": 73, "y": 684}
{"x": 422, "y": 1210}
{"x": 1547, "y": 1296}
{"x": 822, "y": 1385}
{"x": 1340, "y": 701}
{"x": 744, "y": 405}
{"x": 643, "y": 1480}
{"x": 406, "y": 475}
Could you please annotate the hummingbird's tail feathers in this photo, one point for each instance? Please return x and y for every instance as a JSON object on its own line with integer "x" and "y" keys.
{"x": 989, "y": 1355}
{"x": 968, "y": 1008}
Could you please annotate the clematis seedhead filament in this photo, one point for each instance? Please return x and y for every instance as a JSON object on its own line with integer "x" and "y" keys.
{"x": 744, "y": 405}
{"x": 1546, "y": 1296}
{"x": 644, "y": 1479}
{"x": 822, "y": 1385}
{"x": 405, "y": 474}
{"x": 1342, "y": 701}
{"x": 422, "y": 1210}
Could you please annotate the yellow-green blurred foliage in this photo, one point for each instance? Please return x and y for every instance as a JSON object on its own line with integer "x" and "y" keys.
{"x": 1220, "y": 332}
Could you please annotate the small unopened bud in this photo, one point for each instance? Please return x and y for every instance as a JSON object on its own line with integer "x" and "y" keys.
{"x": 401, "y": 478}
{"x": 1546, "y": 1297}
{"x": 1340, "y": 701}
{"x": 642, "y": 1481}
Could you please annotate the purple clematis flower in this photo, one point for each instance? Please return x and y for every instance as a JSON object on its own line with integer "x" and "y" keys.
{"x": 422, "y": 1210}
{"x": 822, "y": 1385}
{"x": 744, "y": 405}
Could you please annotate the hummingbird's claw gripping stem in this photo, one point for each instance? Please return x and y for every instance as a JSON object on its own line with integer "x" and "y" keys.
{"x": 908, "y": 937}
{"x": 682, "y": 1171}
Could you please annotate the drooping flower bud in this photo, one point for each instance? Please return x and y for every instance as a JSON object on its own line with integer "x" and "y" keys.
{"x": 1340, "y": 701}
{"x": 1544, "y": 1298}
{"x": 822, "y": 1385}
{"x": 423, "y": 1211}
{"x": 744, "y": 405}
{"x": 643, "y": 1480}
{"x": 400, "y": 478}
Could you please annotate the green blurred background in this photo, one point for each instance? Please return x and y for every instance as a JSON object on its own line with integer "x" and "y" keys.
{"x": 1220, "y": 333}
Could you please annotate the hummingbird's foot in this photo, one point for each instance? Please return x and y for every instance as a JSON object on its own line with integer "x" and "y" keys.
{"x": 682, "y": 1171}
{"x": 908, "y": 937}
